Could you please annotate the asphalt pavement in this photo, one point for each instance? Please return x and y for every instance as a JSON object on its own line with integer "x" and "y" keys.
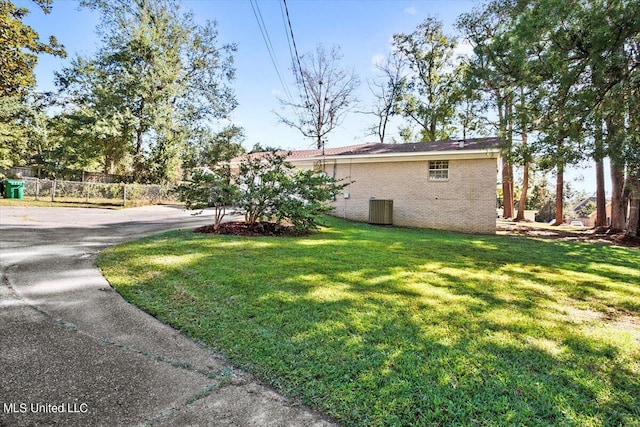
{"x": 73, "y": 352}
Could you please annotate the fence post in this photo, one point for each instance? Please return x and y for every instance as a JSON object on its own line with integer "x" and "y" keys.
{"x": 53, "y": 190}
{"x": 124, "y": 195}
{"x": 37, "y": 188}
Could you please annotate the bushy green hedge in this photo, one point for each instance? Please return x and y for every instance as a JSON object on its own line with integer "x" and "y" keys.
{"x": 265, "y": 188}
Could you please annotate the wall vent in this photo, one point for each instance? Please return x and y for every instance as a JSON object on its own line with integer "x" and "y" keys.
{"x": 380, "y": 211}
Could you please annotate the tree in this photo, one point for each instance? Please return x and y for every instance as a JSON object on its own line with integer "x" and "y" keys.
{"x": 326, "y": 92}
{"x": 13, "y": 144}
{"x": 471, "y": 108}
{"x": 158, "y": 81}
{"x": 491, "y": 69}
{"x": 19, "y": 48}
{"x": 216, "y": 147}
{"x": 387, "y": 94}
{"x": 587, "y": 60}
{"x": 577, "y": 63}
{"x": 429, "y": 96}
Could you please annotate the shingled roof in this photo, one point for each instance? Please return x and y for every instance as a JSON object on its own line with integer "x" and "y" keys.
{"x": 449, "y": 145}
{"x": 417, "y": 147}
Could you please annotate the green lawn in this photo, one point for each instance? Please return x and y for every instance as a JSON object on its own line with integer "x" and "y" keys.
{"x": 75, "y": 202}
{"x": 389, "y": 326}
{"x": 71, "y": 202}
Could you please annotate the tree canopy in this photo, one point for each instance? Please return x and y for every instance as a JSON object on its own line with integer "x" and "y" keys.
{"x": 428, "y": 99}
{"x": 19, "y": 48}
{"x": 154, "y": 88}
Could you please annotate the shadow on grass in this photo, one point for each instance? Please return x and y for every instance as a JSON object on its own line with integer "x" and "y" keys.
{"x": 406, "y": 327}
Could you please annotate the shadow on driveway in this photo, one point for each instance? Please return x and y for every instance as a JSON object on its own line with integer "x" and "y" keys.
{"x": 75, "y": 353}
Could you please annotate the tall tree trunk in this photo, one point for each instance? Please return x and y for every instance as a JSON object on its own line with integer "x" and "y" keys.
{"x": 525, "y": 157}
{"x": 633, "y": 165}
{"x": 507, "y": 165}
{"x": 601, "y": 199}
{"x": 138, "y": 164}
{"x": 617, "y": 197}
{"x": 137, "y": 158}
{"x": 634, "y": 209}
{"x": 507, "y": 188}
{"x": 525, "y": 180}
{"x": 432, "y": 130}
{"x": 559, "y": 195}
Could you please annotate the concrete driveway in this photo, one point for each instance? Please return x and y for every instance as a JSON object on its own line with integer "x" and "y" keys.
{"x": 73, "y": 352}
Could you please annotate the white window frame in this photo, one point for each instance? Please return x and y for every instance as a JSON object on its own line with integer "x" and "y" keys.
{"x": 438, "y": 170}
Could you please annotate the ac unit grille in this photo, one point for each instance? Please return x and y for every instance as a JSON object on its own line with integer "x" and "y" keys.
{"x": 381, "y": 211}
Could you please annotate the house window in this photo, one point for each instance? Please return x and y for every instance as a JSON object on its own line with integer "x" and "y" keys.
{"x": 438, "y": 170}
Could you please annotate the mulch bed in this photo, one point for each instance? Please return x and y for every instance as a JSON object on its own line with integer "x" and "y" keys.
{"x": 241, "y": 228}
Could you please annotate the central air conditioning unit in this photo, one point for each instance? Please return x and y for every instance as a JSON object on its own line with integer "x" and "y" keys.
{"x": 381, "y": 211}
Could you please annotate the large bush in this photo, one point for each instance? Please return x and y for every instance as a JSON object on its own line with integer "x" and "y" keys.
{"x": 265, "y": 188}
{"x": 272, "y": 189}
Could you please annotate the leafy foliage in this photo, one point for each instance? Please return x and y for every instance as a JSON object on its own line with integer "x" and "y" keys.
{"x": 428, "y": 99}
{"x": 262, "y": 180}
{"x": 305, "y": 199}
{"x": 265, "y": 188}
{"x": 272, "y": 189}
{"x": 209, "y": 189}
{"x": 19, "y": 46}
{"x": 153, "y": 89}
{"x": 211, "y": 148}
{"x": 12, "y": 140}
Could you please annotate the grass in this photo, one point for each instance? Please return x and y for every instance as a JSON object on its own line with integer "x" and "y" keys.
{"x": 389, "y": 326}
{"x": 72, "y": 202}
{"x": 63, "y": 202}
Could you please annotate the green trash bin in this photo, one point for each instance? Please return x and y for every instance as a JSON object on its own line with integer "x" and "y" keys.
{"x": 13, "y": 189}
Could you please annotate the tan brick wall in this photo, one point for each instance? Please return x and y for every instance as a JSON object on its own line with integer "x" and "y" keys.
{"x": 465, "y": 202}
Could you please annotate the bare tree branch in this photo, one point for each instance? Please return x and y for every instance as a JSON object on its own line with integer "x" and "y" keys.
{"x": 325, "y": 94}
{"x": 387, "y": 94}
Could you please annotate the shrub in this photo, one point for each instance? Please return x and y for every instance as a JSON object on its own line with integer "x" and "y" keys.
{"x": 262, "y": 181}
{"x": 272, "y": 189}
{"x": 209, "y": 190}
{"x": 266, "y": 188}
{"x": 306, "y": 199}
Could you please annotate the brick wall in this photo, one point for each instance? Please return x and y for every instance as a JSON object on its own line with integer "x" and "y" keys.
{"x": 465, "y": 202}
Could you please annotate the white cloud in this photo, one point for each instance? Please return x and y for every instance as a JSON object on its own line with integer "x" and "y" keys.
{"x": 411, "y": 10}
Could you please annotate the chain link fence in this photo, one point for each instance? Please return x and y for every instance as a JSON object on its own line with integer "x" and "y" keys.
{"x": 98, "y": 193}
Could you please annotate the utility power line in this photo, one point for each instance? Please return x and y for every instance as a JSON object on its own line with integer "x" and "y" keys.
{"x": 286, "y": 31}
{"x": 295, "y": 49}
{"x": 267, "y": 41}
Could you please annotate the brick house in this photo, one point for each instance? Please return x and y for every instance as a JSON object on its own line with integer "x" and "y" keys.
{"x": 448, "y": 185}
{"x": 590, "y": 219}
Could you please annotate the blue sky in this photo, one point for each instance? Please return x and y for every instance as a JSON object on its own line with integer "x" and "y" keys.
{"x": 362, "y": 28}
